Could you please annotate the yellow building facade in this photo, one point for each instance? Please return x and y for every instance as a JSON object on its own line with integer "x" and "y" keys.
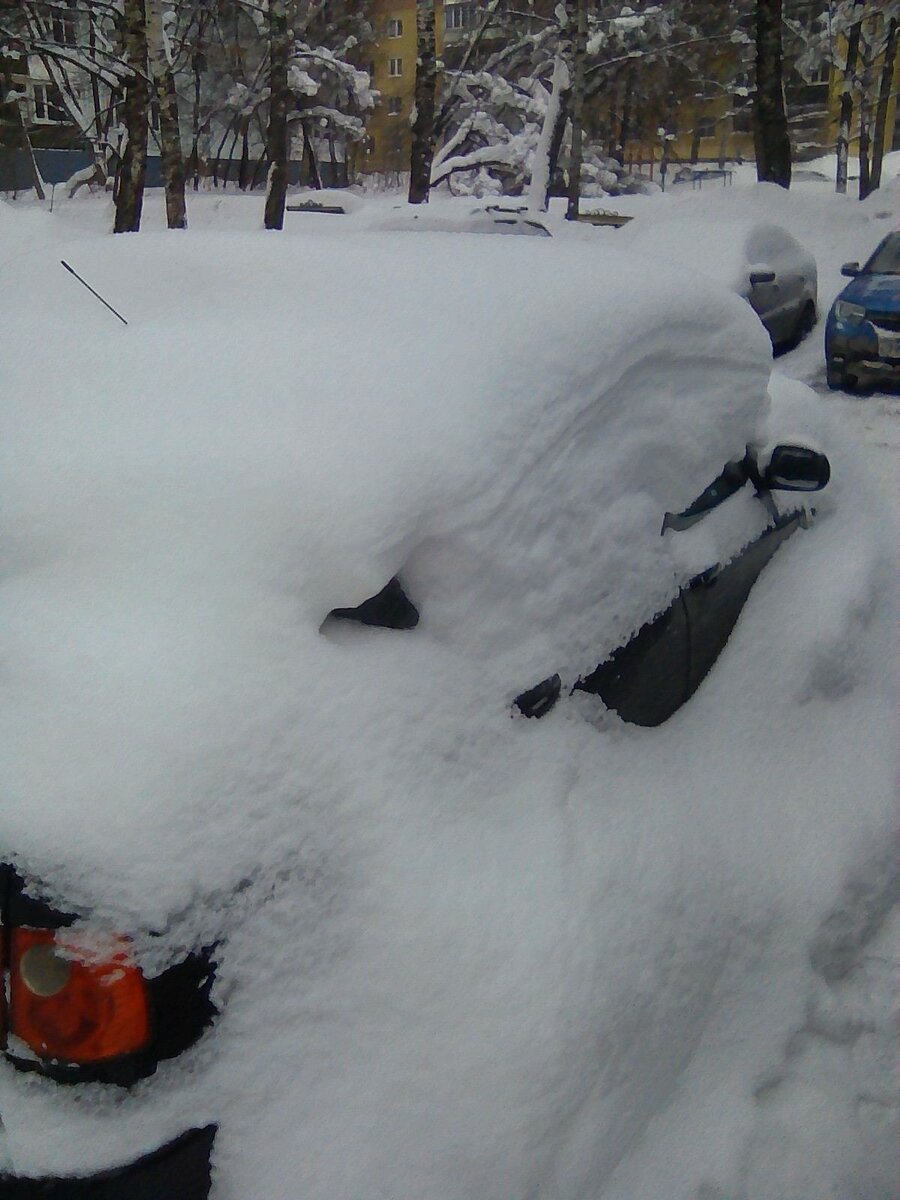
{"x": 392, "y": 68}
{"x": 713, "y": 127}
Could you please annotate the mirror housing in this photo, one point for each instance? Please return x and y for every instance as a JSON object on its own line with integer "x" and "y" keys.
{"x": 796, "y": 469}
{"x": 851, "y": 270}
{"x": 761, "y": 275}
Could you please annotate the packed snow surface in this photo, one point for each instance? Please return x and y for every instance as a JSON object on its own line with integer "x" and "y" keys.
{"x": 461, "y": 955}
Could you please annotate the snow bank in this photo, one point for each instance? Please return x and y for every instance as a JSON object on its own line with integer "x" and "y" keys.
{"x": 460, "y": 954}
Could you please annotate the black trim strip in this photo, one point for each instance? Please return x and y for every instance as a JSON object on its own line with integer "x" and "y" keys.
{"x": 178, "y": 1171}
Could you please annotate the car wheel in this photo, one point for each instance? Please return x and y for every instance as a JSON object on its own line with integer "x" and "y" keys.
{"x": 834, "y": 375}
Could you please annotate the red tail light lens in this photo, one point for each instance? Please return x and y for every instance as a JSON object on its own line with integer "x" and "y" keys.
{"x": 77, "y": 1010}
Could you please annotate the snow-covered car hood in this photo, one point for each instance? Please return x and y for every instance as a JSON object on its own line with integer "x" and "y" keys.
{"x": 458, "y": 953}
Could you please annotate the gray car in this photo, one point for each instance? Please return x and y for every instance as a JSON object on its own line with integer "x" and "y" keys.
{"x": 760, "y": 261}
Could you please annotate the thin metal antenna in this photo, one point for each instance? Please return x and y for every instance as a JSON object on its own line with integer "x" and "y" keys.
{"x": 72, "y": 271}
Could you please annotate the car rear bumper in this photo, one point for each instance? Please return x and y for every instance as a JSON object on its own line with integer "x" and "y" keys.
{"x": 178, "y": 1171}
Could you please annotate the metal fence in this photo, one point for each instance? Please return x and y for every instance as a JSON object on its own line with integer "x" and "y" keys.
{"x": 57, "y": 166}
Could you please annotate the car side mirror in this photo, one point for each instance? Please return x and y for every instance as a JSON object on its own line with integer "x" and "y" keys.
{"x": 851, "y": 270}
{"x": 761, "y": 275}
{"x": 796, "y": 469}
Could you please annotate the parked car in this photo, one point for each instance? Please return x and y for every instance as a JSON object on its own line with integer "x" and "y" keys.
{"x": 297, "y": 900}
{"x": 489, "y": 218}
{"x": 760, "y": 261}
{"x": 862, "y": 334}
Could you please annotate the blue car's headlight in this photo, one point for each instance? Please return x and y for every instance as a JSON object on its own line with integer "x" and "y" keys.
{"x": 852, "y": 314}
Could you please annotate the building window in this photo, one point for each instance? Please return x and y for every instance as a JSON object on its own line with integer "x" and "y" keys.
{"x": 706, "y": 127}
{"x": 459, "y": 16}
{"x": 64, "y": 26}
{"x": 394, "y": 27}
{"x": 48, "y": 105}
{"x": 395, "y": 67}
{"x": 395, "y": 106}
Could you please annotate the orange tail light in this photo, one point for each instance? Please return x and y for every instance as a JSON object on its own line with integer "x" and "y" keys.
{"x": 72, "y": 1010}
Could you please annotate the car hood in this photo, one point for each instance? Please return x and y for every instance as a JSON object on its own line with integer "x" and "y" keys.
{"x": 874, "y": 291}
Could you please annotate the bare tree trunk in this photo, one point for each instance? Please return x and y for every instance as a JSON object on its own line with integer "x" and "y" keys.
{"x": 244, "y": 167}
{"x": 101, "y": 164}
{"x": 130, "y": 197}
{"x": 884, "y": 95}
{"x": 554, "y": 124}
{"x": 423, "y": 128}
{"x": 557, "y": 134}
{"x": 865, "y": 179}
{"x": 169, "y": 128}
{"x": 578, "y": 20}
{"x": 695, "y": 142}
{"x": 845, "y": 120}
{"x": 280, "y": 39}
{"x": 29, "y": 151}
{"x": 770, "y": 128}
{"x": 627, "y": 117}
{"x": 198, "y": 65}
{"x": 312, "y": 163}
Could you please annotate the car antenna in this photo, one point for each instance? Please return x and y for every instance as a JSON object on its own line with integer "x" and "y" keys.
{"x": 72, "y": 271}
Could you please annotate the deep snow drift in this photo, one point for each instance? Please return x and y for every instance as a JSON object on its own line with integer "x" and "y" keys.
{"x": 462, "y": 955}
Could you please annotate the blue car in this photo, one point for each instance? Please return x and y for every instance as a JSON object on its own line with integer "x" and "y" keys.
{"x": 862, "y": 335}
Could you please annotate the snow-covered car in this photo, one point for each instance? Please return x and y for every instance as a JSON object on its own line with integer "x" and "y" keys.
{"x": 490, "y": 218}
{"x": 761, "y": 261}
{"x": 862, "y": 334}
{"x": 367, "y": 828}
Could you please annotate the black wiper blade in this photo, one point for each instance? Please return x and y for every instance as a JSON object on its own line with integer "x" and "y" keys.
{"x": 730, "y": 481}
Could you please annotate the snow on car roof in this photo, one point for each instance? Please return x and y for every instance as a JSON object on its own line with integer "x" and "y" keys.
{"x": 724, "y": 249}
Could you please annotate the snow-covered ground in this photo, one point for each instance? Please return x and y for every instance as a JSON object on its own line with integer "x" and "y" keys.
{"x": 781, "y": 1083}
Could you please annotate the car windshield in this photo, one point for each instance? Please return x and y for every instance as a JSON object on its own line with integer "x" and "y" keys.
{"x": 886, "y": 259}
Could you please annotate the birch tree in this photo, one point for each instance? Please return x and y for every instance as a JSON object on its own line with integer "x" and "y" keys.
{"x": 163, "y": 71}
{"x": 888, "y": 67}
{"x": 845, "y": 118}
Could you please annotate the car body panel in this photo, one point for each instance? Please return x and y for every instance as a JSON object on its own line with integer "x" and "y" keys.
{"x": 869, "y": 348}
{"x": 179, "y": 1171}
{"x": 730, "y": 252}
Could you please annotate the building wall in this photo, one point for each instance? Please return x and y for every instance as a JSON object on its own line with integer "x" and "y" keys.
{"x": 388, "y": 147}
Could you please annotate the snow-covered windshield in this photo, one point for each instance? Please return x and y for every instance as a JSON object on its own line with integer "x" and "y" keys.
{"x": 886, "y": 259}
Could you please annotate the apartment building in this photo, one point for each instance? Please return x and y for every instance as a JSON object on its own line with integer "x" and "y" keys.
{"x": 392, "y": 66}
